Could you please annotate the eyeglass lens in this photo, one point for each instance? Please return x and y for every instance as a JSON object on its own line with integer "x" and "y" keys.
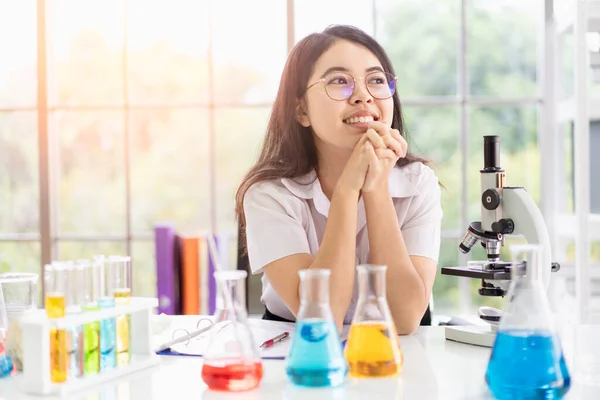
{"x": 340, "y": 85}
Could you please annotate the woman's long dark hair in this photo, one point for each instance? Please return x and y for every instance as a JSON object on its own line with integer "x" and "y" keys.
{"x": 289, "y": 150}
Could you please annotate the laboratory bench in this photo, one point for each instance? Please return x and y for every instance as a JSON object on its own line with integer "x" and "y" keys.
{"x": 434, "y": 368}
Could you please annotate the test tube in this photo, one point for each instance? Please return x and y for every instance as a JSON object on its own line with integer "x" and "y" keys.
{"x": 91, "y": 330}
{"x": 108, "y": 330}
{"x": 56, "y": 278}
{"x": 74, "y": 301}
{"x": 121, "y": 267}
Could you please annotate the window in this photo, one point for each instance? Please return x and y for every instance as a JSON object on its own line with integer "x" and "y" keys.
{"x": 157, "y": 109}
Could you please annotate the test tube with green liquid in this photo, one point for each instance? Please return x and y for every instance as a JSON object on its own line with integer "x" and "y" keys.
{"x": 91, "y": 330}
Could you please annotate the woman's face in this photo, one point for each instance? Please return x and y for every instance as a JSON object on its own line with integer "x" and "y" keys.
{"x": 341, "y": 123}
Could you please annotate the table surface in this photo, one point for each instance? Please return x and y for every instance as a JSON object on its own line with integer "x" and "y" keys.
{"x": 434, "y": 368}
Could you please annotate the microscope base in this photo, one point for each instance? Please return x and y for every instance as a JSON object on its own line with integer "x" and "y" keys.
{"x": 475, "y": 335}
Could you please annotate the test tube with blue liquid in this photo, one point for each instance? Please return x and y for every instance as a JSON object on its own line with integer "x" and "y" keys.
{"x": 108, "y": 328}
{"x": 91, "y": 330}
{"x": 316, "y": 358}
{"x": 527, "y": 361}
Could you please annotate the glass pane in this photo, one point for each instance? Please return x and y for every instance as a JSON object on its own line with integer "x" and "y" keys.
{"x": 19, "y": 175}
{"x": 240, "y": 133}
{"x": 519, "y": 153}
{"x": 85, "y": 52}
{"x": 424, "y": 54}
{"x": 92, "y": 171}
{"x": 446, "y": 296}
{"x": 18, "y": 46}
{"x": 22, "y": 257}
{"x": 315, "y": 15}
{"x": 433, "y": 135}
{"x": 170, "y": 169}
{"x": 167, "y": 51}
{"x": 143, "y": 268}
{"x": 74, "y": 250}
{"x": 248, "y": 64}
{"x": 502, "y": 53}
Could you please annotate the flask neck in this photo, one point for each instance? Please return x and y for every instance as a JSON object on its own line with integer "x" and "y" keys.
{"x": 527, "y": 268}
{"x": 236, "y": 290}
{"x": 314, "y": 286}
{"x": 371, "y": 281}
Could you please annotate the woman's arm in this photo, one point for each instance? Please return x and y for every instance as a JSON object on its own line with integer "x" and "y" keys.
{"x": 409, "y": 279}
{"x": 336, "y": 253}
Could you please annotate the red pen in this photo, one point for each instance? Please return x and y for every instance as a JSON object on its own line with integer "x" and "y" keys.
{"x": 276, "y": 339}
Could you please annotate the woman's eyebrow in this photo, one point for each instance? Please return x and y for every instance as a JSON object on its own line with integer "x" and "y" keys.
{"x": 344, "y": 69}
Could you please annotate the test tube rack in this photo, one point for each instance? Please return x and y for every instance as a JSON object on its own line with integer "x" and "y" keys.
{"x": 36, "y": 326}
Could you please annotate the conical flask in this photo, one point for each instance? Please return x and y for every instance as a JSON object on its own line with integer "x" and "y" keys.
{"x": 232, "y": 361}
{"x": 527, "y": 360}
{"x": 316, "y": 358}
{"x": 373, "y": 349}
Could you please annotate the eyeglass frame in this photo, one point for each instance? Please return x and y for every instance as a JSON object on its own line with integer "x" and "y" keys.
{"x": 323, "y": 79}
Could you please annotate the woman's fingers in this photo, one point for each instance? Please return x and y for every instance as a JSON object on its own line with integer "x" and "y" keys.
{"x": 375, "y": 139}
{"x": 393, "y": 145}
{"x": 385, "y": 153}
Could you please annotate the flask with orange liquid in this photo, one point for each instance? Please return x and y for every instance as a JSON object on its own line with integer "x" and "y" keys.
{"x": 372, "y": 349}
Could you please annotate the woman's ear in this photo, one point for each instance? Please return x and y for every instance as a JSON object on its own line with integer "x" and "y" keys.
{"x": 301, "y": 115}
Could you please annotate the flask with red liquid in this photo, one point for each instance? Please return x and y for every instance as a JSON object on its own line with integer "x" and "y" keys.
{"x": 232, "y": 360}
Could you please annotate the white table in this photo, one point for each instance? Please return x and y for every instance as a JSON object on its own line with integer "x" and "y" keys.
{"x": 434, "y": 368}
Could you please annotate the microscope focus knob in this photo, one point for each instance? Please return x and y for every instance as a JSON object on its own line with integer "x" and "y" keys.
{"x": 504, "y": 226}
{"x": 490, "y": 199}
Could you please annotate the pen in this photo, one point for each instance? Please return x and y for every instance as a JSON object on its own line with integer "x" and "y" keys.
{"x": 276, "y": 339}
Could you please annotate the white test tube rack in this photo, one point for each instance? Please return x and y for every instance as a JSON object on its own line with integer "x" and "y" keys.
{"x": 36, "y": 326}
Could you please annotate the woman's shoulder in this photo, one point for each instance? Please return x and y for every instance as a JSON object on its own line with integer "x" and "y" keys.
{"x": 286, "y": 191}
{"x": 419, "y": 174}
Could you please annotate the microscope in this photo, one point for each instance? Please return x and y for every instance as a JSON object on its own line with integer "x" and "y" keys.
{"x": 505, "y": 210}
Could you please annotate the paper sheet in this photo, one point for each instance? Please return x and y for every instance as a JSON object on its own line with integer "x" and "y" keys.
{"x": 262, "y": 331}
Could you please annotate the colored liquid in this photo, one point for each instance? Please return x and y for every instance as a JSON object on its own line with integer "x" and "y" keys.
{"x": 122, "y": 297}
{"x": 232, "y": 375}
{"x": 123, "y": 336}
{"x": 527, "y": 366}
{"x": 108, "y": 337}
{"x": 55, "y": 308}
{"x": 316, "y": 357}
{"x": 75, "y": 351}
{"x": 91, "y": 345}
{"x": 373, "y": 350}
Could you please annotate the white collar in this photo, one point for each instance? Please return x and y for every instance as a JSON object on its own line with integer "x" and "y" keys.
{"x": 309, "y": 187}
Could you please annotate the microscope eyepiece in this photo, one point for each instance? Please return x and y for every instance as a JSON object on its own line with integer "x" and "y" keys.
{"x": 491, "y": 153}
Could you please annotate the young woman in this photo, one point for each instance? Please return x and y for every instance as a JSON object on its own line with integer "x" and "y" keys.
{"x": 335, "y": 186}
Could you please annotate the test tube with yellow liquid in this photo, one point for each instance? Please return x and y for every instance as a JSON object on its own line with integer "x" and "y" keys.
{"x": 91, "y": 330}
{"x": 56, "y": 283}
{"x": 121, "y": 270}
{"x": 372, "y": 349}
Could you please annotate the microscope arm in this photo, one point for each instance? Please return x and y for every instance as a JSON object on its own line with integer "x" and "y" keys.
{"x": 518, "y": 205}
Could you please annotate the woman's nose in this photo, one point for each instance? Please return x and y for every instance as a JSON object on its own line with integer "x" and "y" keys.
{"x": 361, "y": 93}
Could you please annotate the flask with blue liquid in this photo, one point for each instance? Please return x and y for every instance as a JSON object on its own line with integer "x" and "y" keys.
{"x": 316, "y": 358}
{"x": 527, "y": 361}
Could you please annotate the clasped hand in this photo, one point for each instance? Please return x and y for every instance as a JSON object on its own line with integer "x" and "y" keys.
{"x": 384, "y": 147}
{"x": 373, "y": 158}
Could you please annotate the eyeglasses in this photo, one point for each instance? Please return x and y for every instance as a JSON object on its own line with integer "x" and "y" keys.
{"x": 339, "y": 86}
